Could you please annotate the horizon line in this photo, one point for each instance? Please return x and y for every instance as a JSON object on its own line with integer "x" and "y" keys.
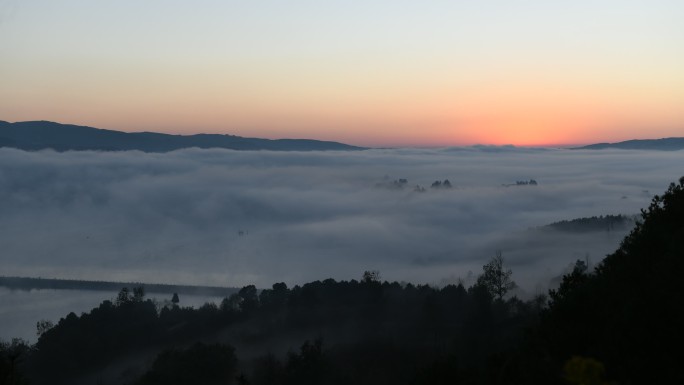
{"x": 368, "y": 146}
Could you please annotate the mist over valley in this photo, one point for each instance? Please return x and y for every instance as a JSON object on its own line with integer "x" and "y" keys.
{"x": 232, "y": 218}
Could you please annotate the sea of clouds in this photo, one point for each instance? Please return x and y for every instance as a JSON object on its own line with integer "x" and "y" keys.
{"x": 222, "y": 217}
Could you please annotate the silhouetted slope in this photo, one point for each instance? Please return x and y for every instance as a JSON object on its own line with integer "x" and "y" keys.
{"x": 665, "y": 144}
{"x": 39, "y": 135}
{"x": 627, "y": 314}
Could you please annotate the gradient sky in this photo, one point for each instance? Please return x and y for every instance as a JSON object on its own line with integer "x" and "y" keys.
{"x": 379, "y": 73}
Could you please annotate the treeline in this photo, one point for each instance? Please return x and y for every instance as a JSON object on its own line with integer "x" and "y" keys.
{"x": 400, "y": 184}
{"x": 600, "y": 223}
{"x": 530, "y": 182}
{"x": 27, "y": 283}
{"x": 351, "y": 332}
{"x": 618, "y": 324}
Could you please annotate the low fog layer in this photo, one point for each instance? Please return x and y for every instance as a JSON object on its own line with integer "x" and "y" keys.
{"x": 222, "y": 217}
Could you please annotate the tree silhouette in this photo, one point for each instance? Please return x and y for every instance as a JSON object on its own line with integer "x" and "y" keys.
{"x": 11, "y": 355}
{"x": 123, "y": 297}
{"x": 43, "y": 326}
{"x": 370, "y": 276}
{"x": 138, "y": 294}
{"x": 250, "y": 299}
{"x": 495, "y": 278}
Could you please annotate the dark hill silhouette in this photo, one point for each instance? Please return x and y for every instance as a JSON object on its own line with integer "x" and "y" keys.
{"x": 664, "y": 144}
{"x": 626, "y": 314}
{"x": 40, "y": 135}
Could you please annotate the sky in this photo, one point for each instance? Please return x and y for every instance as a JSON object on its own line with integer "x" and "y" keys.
{"x": 372, "y": 73}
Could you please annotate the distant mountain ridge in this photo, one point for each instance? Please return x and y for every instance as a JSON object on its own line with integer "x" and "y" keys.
{"x": 40, "y": 135}
{"x": 664, "y": 144}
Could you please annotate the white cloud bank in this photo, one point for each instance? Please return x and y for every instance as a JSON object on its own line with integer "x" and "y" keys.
{"x": 177, "y": 217}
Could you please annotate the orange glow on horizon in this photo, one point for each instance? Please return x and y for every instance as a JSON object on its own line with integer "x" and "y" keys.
{"x": 431, "y": 116}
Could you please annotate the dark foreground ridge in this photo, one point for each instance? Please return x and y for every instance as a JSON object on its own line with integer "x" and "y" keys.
{"x": 41, "y": 135}
{"x": 664, "y": 144}
{"x": 27, "y": 283}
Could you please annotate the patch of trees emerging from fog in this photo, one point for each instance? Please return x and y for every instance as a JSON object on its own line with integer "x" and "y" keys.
{"x": 402, "y": 183}
{"x": 618, "y": 323}
{"x": 600, "y": 223}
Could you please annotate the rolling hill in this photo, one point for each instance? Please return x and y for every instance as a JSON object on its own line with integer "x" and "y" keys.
{"x": 40, "y": 135}
{"x": 664, "y": 144}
